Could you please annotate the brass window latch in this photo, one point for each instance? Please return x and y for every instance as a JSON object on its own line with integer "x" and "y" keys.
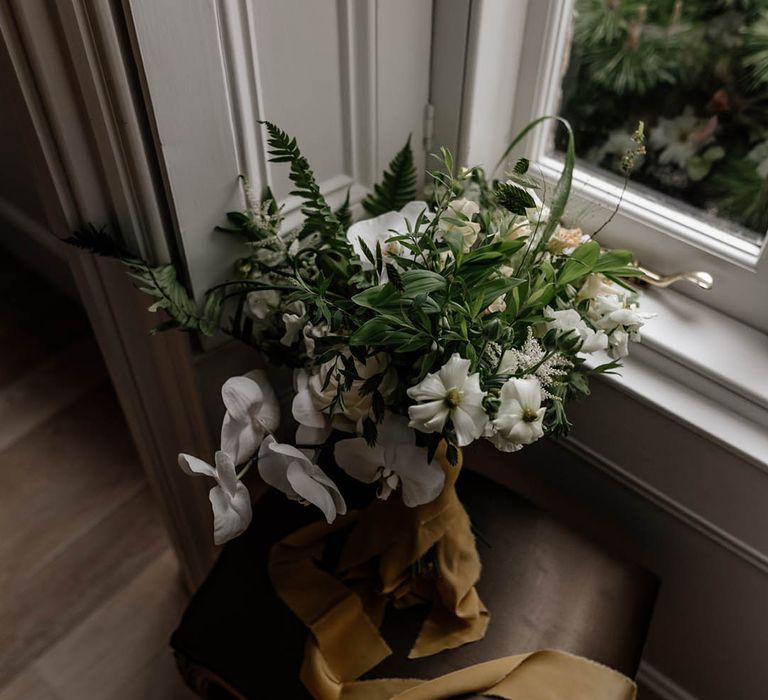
{"x": 703, "y": 280}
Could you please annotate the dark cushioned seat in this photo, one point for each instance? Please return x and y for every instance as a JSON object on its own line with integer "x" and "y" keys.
{"x": 546, "y": 587}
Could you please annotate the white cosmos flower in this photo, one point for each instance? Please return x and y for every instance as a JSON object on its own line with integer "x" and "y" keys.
{"x": 450, "y": 393}
{"x": 520, "y": 414}
{"x": 252, "y": 412}
{"x": 380, "y": 229}
{"x": 289, "y": 470}
{"x": 461, "y": 209}
{"x": 394, "y": 460}
{"x": 230, "y": 499}
{"x": 294, "y": 318}
{"x": 570, "y": 320}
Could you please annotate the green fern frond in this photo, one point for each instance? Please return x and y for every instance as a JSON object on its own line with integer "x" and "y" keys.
{"x": 98, "y": 241}
{"x": 318, "y": 216}
{"x": 397, "y": 187}
{"x": 755, "y": 58}
{"x": 344, "y": 213}
{"x": 161, "y": 283}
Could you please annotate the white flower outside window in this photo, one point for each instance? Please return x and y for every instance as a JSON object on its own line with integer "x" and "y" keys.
{"x": 252, "y": 412}
{"x": 450, "y": 393}
{"x": 230, "y": 499}
{"x": 289, "y": 470}
{"x": 394, "y": 460}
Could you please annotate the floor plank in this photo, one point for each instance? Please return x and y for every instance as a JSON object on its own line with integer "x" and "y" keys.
{"x": 73, "y": 583}
{"x": 94, "y": 662}
{"x": 30, "y": 685}
{"x": 60, "y": 481}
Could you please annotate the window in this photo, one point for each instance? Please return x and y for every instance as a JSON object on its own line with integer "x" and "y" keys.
{"x": 696, "y": 74}
{"x": 700, "y": 198}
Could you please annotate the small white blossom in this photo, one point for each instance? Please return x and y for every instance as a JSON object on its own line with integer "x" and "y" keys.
{"x": 570, "y": 320}
{"x": 230, "y": 500}
{"x": 394, "y": 460}
{"x": 252, "y": 412}
{"x": 565, "y": 240}
{"x": 294, "y": 318}
{"x": 520, "y": 415}
{"x": 464, "y": 210}
{"x": 313, "y": 332}
{"x": 289, "y": 470}
{"x": 450, "y": 393}
{"x": 263, "y": 302}
{"x": 620, "y": 319}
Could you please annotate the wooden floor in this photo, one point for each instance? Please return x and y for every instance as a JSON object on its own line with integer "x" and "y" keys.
{"x": 89, "y": 588}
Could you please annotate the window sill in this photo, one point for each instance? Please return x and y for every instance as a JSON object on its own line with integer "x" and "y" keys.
{"x": 703, "y": 369}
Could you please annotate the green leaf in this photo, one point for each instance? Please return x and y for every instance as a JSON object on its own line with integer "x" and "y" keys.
{"x": 397, "y": 187}
{"x": 317, "y": 214}
{"x": 580, "y": 263}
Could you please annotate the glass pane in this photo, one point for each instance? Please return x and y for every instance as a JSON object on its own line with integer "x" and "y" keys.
{"x": 696, "y": 73}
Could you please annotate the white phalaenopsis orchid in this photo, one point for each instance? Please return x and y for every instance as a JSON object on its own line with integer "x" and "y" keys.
{"x": 230, "y": 499}
{"x": 570, "y": 320}
{"x": 379, "y": 230}
{"x": 252, "y": 412}
{"x": 450, "y": 393}
{"x": 520, "y": 415}
{"x": 289, "y": 470}
{"x": 394, "y": 460}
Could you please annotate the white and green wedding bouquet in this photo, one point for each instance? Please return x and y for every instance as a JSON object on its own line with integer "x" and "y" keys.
{"x": 468, "y": 315}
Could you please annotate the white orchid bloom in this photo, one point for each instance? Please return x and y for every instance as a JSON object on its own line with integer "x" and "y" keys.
{"x": 464, "y": 210}
{"x": 314, "y": 425}
{"x": 520, "y": 414}
{"x": 379, "y": 230}
{"x": 289, "y": 470}
{"x": 620, "y": 321}
{"x": 294, "y": 318}
{"x": 394, "y": 460}
{"x": 252, "y": 412}
{"x": 450, "y": 393}
{"x": 312, "y": 332}
{"x": 230, "y": 499}
{"x": 567, "y": 320}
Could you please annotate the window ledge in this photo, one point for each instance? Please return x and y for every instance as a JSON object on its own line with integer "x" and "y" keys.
{"x": 703, "y": 369}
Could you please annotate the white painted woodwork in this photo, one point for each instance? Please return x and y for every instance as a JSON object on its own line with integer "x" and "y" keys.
{"x": 349, "y": 79}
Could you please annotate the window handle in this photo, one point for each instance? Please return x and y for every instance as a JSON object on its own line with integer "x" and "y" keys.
{"x": 703, "y": 280}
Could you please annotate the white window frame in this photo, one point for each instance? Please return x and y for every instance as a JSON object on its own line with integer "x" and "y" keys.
{"x": 705, "y": 348}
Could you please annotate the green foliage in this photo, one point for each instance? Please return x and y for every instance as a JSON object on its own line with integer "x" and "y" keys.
{"x": 397, "y": 186}
{"x": 159, "y": 282}
{"x": 756, "y": 50}
{"x": 318, "y": 215}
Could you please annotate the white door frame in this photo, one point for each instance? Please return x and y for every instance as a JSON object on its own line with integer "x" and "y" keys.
{"x": 94, "y": 162}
